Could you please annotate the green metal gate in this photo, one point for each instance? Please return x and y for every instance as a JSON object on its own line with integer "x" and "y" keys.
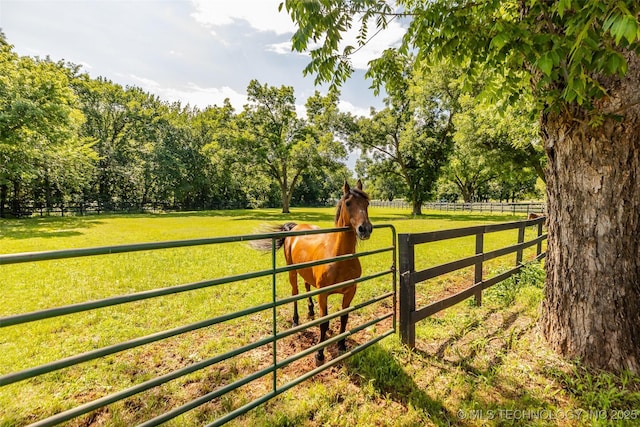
{"x": 386, "y": 299}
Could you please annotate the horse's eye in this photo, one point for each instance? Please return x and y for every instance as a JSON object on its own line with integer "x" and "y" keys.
{"x": 347, "y": 203}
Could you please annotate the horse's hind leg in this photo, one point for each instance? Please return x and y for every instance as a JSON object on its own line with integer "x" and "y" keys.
{"x": 307, "y": 286}
{"x": 346, "y": 302}
{"x": 324, "y": 327}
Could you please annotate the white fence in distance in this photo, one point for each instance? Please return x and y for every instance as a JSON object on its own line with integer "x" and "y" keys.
{"x": 513, "y": 208}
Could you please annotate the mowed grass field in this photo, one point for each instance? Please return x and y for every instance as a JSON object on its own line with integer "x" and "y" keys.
{"x": 473, "y": 365}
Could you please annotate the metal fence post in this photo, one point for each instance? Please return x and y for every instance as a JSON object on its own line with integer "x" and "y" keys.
{"x": 407, "y": 290}
{"x": 394, "y": 268}
{"x": 274, "y": 314}
{"x": 478, "y": 266}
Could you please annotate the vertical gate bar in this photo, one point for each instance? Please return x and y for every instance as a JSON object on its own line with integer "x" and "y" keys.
{"x": 407, "y": 290}
{"x": 395, "y": 278}
{"x": 478, "y": 267}
{"x": 275, "y": 326}
{"x": 520, "y": 240}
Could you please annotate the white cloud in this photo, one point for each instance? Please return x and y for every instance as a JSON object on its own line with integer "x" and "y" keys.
{"x": 205, "y": 96}
{"x": 262, "y": 15}
{"x": 33, "y": 52}
{"x": 348, "y": 107}
{"x": 193, "y": 94}
{"x": 283, "y": 48}
{"x": 148, "y": 83}
{"x": 377, "y": 42}
{"x": 170, "y": 53}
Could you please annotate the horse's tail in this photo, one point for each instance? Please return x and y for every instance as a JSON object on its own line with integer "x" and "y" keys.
{"x": 265, "y": 244}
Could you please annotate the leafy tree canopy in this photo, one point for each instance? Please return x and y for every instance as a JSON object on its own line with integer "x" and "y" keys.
{"x": 39, "y": 126}
{"x": 554, "y": 48}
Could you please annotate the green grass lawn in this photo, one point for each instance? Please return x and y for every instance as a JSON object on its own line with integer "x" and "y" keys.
{"x": 469, "y": 359}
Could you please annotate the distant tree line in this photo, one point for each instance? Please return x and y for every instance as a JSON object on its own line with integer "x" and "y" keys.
{"x": 68, "y": 139}
{"x": 436, "y": 139}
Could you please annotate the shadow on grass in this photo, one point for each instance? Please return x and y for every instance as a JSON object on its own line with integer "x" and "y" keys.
{"x": 326, "y": 214}
{"x": 50, "y": 227}
{"x": 302, "y": 215}
{"x": 278, "y": 217}
{"x": 477, "y": 362}
{"x": 493, "y": 361}
{"x": 380, "y": 368}
{"x": 469, "y": 369}
{"x": 271, "y": 215}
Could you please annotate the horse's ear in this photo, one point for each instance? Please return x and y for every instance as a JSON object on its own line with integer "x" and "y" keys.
{"x": 359, "y": 185}
{"x": 346, "y": 187}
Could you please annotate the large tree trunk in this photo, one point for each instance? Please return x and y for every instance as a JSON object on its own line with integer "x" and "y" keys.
{"x": 591, "y": 308}
{"x": 286, "y": 199}
{"x": 285, "y": 206}
{"x": 15, "y": 202}
{"x": 466, "y": 195}
{"x": 3, "y": 199}
{"x": 416, "y": 207}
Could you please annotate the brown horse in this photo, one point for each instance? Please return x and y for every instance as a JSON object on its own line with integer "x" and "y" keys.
{"x": 351, "y": 212}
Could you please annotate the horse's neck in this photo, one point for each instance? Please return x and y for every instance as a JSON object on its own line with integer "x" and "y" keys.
{"x": 345, "y": 241}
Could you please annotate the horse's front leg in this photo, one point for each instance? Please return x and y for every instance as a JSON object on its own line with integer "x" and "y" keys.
{"x": 293, "y": 279}
{"x": 346, "y": 302}
{"x": 324, "y": 327}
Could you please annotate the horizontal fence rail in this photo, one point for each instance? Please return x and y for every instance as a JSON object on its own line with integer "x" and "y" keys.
{"x": 409, "y": 277}
{"x": 388, "y": 296}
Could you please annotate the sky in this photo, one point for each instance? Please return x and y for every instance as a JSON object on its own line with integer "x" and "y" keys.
{"x": 194, "y": 51}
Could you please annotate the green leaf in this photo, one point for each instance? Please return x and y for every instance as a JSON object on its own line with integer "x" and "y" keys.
{"x": 614, "y": 62}
{"x": 562, "y": 6}
{"x": 626, "y": 27}
{"x": 630, "y": 29}
{"x": 545, "y": 63}
{"x": 499, "y": 41}
{"x": 608, "y": 23}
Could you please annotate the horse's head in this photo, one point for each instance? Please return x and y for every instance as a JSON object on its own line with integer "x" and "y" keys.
{"x": 353, "y": 212}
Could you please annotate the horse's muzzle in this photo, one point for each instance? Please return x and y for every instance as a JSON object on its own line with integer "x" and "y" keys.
{"x": 364, "y": 231}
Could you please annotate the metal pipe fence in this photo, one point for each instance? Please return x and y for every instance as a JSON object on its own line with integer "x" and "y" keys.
{"x": 271, "y": 340}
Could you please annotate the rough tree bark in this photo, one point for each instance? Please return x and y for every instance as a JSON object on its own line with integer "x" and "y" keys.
{"x": 416, "y": 208}
{"x": 591, "y": 309}
{"x": 286, "y": 199}
{"x": 3, "y": 198}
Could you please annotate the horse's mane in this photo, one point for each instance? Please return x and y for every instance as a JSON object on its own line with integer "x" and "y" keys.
{"x": 352, "y": 192}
